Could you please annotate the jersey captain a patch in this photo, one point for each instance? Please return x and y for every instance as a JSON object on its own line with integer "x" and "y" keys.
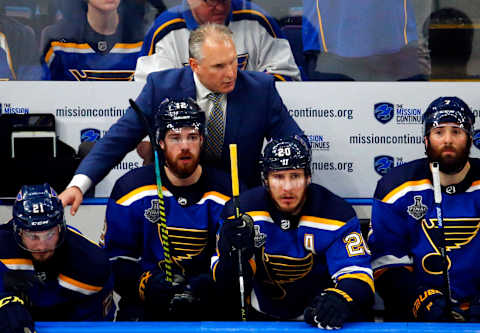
{"x": 417, "y": 210}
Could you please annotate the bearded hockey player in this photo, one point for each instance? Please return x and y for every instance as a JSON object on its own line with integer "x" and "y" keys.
{"x": 302, "y": 249}
{"x": 412, "y": 276}
{"x": 193, "y": 199}
{"x": 48, "y": 271}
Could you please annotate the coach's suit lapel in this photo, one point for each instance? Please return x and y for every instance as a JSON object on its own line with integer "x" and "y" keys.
{"x": 188, "y": 85}
{"x": 234, "y": 114}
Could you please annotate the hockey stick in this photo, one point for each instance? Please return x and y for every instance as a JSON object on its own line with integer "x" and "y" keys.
{"x": 236, "y": 207}
{"x": 161, "y": 203}
{"x": 438, "y": 206}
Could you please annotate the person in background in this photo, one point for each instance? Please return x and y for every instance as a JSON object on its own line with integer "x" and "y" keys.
{"x": 414, "y": 280}
{"x": 259, "y": 42}
{"x": 194, "y": 196}
{"x": 302, "y": 252}
{"x": 48, "y": 271}
{"x": 221, "y": 90}
{"x": 100, "y": 45}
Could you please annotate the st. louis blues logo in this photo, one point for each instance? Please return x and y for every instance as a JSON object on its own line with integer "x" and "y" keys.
{"x": 383, "y": 112}
{"x": 476, "y": 138}
{"x": 383, "y": 164}
{"x": 89, "y": 135}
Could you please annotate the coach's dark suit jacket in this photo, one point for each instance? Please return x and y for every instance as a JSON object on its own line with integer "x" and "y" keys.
{"x": 254, "y": 111}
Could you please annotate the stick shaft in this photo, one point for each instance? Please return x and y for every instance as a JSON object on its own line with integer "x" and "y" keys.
{"x": 442, "y": 248}
{"x": 161, "y": 202}
{"x": 236, "y": 206}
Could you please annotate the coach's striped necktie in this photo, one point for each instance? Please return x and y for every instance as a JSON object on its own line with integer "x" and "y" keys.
{"x": 215, "y": 128}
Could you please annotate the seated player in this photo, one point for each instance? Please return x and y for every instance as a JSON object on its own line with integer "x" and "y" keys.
{"x": 258, "y": 39}
{"x": 306, "y": 254}
{"x": 412, "y": 276}
{"x": 100, "y": 45}
{"x": 193, "y": 197}
{"x": 48, "y": 271}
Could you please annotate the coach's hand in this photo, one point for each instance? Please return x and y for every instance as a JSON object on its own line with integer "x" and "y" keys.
{"x": 330, "y": 310}
{"x": 71, "y": 196}
{"x": 14, "y": 317}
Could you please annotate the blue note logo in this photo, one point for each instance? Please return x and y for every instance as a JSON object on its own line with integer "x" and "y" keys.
{"x": 476, "y": 138}
{"x": 383, "y": 164}
{"x": 384, "y": 112}
{"x": 89, "y": 135}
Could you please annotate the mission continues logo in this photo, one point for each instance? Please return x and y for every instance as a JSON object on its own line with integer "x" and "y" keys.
{"x": 89, "y": 135}
{"x": 8, "y": 108}
{"x": 476, "y": 138}
{"x": 318, "y": 143}
{"x": 384, "y": 112}
{"x": 384, "y": 163}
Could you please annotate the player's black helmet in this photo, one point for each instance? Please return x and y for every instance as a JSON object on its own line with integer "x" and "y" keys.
{"x": 284, "y": 154}
{"x": 178, "y": 113}
{"x": 448, "y": 110}
{"x": 37, "y": 208}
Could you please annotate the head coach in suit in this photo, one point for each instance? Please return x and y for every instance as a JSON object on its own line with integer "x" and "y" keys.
{"x": 242, "y": 107}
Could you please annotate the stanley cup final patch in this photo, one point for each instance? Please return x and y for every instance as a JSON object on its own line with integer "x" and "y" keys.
{"x": 418, "y": 209}
{"x": 153, "y": 213}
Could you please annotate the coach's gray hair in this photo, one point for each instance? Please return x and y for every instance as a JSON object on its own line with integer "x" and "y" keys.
{"x": 198, "y": 36}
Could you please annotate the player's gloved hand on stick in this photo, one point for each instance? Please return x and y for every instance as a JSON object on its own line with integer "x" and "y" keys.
{"x": 154, "y": 289}
{"x": 14, "y": 317}
{"x": 474, "y": 311}
{"x": 430, "y": 305}
{"x": 237, "y": 234}
{"x": 330, "y": 310}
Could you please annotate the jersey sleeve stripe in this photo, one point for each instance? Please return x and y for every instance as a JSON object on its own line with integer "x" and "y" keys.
{"x": 360, "y": 276}
{"x": 139, "y": 193}
{"x": 162, "y": 31}
{"x": 127, "y": 47}
{"x": 400, "y": 191}
{"x": 18, "y": 263}
{"x": 320, "y": 223}
{"x": 474, "y": 187}
{"x": 214, "y": 196}
{"x": 257, "y": 16}
{"x": 77, "y": 286}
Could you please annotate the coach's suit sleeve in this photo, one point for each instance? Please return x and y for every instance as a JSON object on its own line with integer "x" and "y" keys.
{"x": 120, "y": 139}
{"x": 281, "y": 123}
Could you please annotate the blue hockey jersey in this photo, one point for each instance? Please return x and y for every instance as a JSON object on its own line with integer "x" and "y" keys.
{"x": 75, "y": 285}
{"x": 132, "y": 219}
{"x": 404, "y": 229}
{"x": 73, "y": 51}
{"x": 298, "y": 257}
{"x": 358, "y": 28}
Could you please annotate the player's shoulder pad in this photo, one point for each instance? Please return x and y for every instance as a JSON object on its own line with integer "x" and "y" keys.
{"x": 414, "y": 171}
{"x": 65, "y": 31}
{"x": 332, "y": 206}
{"x": 246, "y": 10}
{"x": 133, "y": 180}
{"x": 86, "y": 267}
{"x": 10, "y": 252}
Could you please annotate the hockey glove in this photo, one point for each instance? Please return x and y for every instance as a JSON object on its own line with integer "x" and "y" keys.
{"x": 474, "y": 311}
{"x": 14, "y": 317}
{"x": 330, "y": 310}
{"x": 237, "y": 234}
{"x": 19, "y": 283}
{"x": 153, "y": 289}
{"x": 430, "y": 305}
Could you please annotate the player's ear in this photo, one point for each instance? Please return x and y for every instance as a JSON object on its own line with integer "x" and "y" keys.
{"x": 161, "y": 143}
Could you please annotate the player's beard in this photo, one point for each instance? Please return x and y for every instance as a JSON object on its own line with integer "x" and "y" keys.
{"x": 180, "y": 169}
{"x": 449, "y": 165}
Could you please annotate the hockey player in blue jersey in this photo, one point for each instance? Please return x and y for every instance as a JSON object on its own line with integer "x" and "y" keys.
{"x": 193, "y": 199}
{"x": 99, "y": 45}
{"x": 49, "y": 272}
{"x": 410, "y": 273}
{"x": 307, "y": 258}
